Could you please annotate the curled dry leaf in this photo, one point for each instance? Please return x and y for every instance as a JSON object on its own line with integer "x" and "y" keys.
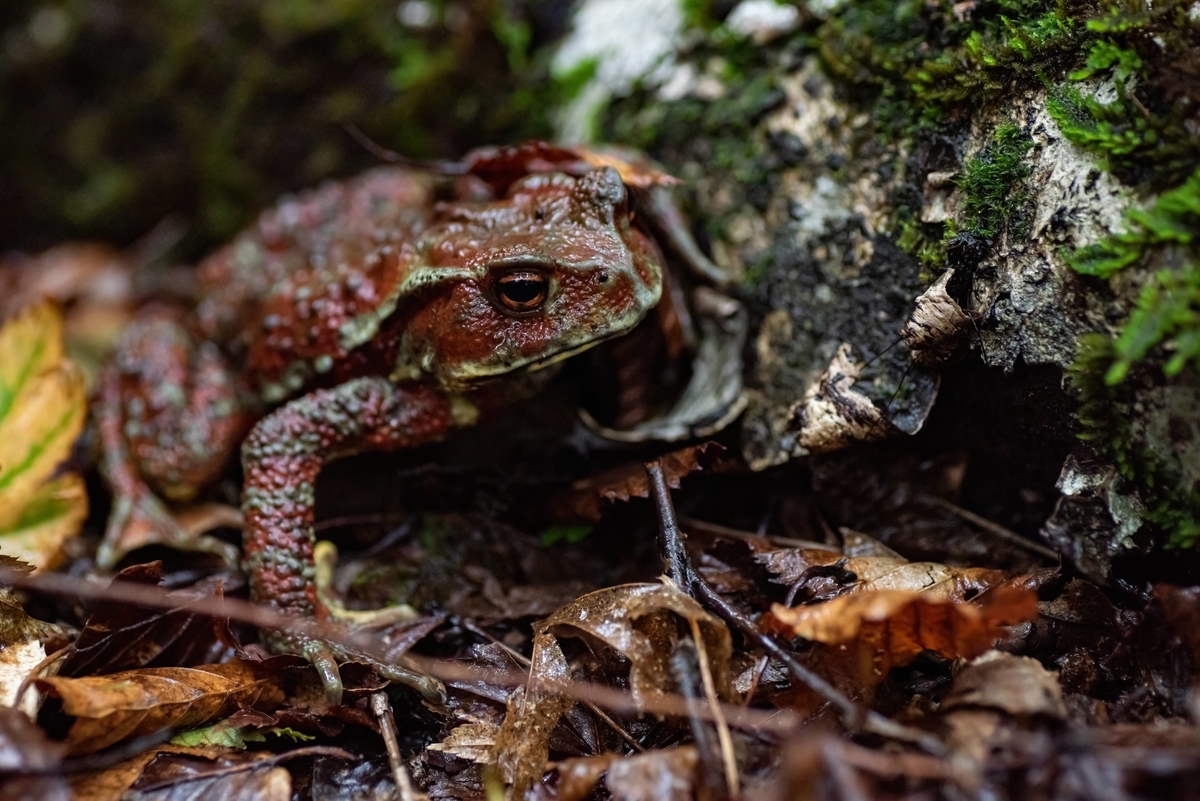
{"x": 109, "y": 709}
{"x": 639, "y": 621}
{"x": 42, "y": 408}
{"x": 881, "y": 629}
{"x": 937, "y": 327}
{"x": 885, "y": 571}
{"x": 583, "y": 501}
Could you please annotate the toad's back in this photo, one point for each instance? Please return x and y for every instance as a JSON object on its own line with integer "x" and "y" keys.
{"x": 280, "y": 295}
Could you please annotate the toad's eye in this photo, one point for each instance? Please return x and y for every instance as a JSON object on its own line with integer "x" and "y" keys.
{"x": 521, "y": 291}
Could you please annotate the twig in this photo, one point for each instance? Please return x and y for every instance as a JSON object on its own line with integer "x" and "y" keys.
{"x": 775, "y": 723}
{"x": 717, "y": 530}
{"x": 994, "y": 529}
{"x": 853, "y": 717}
{"x": 710, "y": 690}
{"x": 387, "y": 727}
{"x": 760, "y": 667}
{"x": 685, "y": 663}
{"x": 674, "y": 555}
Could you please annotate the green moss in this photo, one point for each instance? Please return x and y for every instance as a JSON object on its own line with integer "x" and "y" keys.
{"x": 1145, "y": 135}
{"x": 1103, "y": 417}
{"x": 991, "y": 182}
{"x": 1167, "y": 312}
{"x": 913, "y": 63}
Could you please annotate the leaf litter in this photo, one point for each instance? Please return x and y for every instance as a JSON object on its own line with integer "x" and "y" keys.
{"x": 574, "y": 671}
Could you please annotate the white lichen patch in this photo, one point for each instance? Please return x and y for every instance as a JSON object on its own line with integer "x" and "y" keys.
{"x": 1035, "y": 303}
{"x": 628, "y": 41}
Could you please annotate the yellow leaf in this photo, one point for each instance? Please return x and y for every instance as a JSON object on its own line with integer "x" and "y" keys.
{"x": 55, "y": 512}
{"x": 42, "y": 407}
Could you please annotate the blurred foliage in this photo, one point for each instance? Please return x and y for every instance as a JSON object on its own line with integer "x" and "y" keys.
{"x": 119, "y": 114}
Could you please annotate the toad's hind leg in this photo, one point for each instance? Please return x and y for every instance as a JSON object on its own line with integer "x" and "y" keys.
{"x": 169, "y": 418}
{"x": 281, "y": 459}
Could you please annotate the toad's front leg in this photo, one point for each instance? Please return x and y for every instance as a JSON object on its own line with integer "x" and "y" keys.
{"x": 281, "y": 459}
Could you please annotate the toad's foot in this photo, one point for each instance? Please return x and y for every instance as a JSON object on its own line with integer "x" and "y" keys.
{"x": 325, "y": 557}
{"x": 325, "y": 656}
{"x": 139, "y": 519}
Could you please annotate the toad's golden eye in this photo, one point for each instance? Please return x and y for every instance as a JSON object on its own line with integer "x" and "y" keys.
{"x": 521, "y": 291}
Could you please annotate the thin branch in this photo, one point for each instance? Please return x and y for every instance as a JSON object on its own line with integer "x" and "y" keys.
{"x": 995, "y": 529}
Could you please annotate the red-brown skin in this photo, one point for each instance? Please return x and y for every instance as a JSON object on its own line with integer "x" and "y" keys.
{"x": 381, "y": 303}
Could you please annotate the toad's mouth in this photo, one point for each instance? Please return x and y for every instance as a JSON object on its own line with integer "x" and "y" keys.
{"x": 566, "y": 353}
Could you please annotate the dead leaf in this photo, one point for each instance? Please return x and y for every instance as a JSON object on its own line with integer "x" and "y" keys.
{"x": 583, "y": 501}
{"x": 1016, "y": 685}
{"x": 639, "y": 621}
{"x": 577, "y": 777}
{"x": 663, "y": 775}
{"x": 532, "y": 712}
{"x": 109, "y": 709}
{"x": 877, "y": 568}
{"x": 885, "y": 628}
{"x": 937, "y": 327}
{"x": 42, "y": 407}
{"x": 121, "y": 636}
{"x": 113, "y": 782}
{"x": 475, "y": 742}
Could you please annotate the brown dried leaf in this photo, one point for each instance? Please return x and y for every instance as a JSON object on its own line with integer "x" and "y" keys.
{"x": 108, "y": 709}
{"x": 577, "y": 777}
{"x": 664, "y": 775}
{"x": 1016, "y": 685}
{"x": 113, "y": 782}
{"x": 522, "y": 745}
{"x": 120, "y": 636}
{"x": 636, "y": 620}
{"x": 583, "y": 500}
{"x": 891, "y": 627}
{"x": 884, "y": 569}
{"x": 475, "y": 742}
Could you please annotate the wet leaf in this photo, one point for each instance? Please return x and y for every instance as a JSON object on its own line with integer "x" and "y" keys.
{"x": 121, "y": 636}
{"x": 885, "y": 628}
{"x": 42, "y": 407}
{"x": 475, "y": 742}
{"x": 181, "y": 776}
{"x": 665, "y": 775}
{"x": 639, "y": 621}
{"x": 109, "y": 709}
